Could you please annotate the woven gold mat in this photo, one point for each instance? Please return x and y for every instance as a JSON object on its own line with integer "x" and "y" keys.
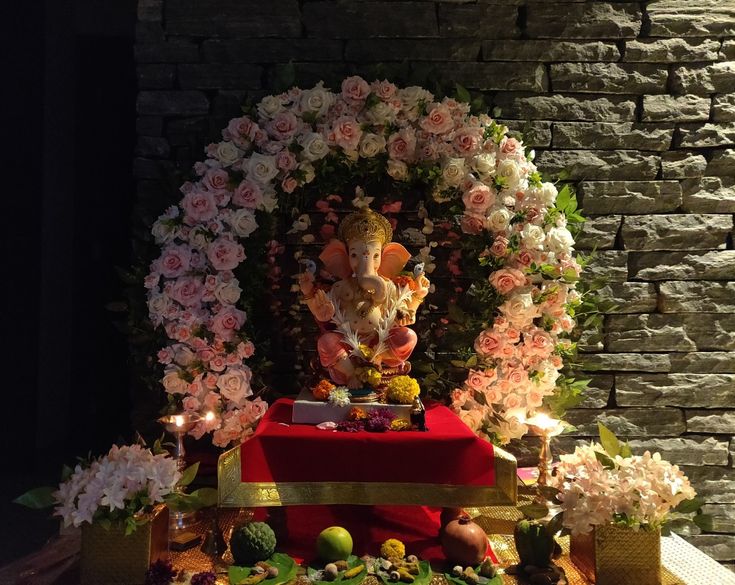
{"x": 497, "y": 521}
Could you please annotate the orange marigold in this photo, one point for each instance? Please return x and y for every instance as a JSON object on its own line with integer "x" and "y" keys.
{"x": 322, "y": 390}
{"x": 356, "y": 413}
{"x": 403, "y": 280}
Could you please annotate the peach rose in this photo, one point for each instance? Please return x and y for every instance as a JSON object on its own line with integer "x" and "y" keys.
{"x": 347, "y": 132}
{"x": 355, "y": 89}
{"x": 506, "y": 279}
{"x": 402, "y": 145}
{"x": 488, "y": 343}
{"x": 478, "y": 198}
{"x": 472, "y": 224}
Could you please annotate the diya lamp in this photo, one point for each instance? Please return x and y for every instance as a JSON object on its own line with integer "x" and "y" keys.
{"x": 179, "y": 424}
{"x": 546, "y": 427}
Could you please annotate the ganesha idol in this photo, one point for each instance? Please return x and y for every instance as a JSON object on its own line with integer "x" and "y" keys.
{"x": 364, "y": 316}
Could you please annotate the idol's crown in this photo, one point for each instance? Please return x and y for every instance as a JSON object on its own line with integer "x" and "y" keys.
{"x": 365, "y": 225}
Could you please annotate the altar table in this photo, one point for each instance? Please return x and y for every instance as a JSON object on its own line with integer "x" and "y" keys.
{"x": 293, "y": 464}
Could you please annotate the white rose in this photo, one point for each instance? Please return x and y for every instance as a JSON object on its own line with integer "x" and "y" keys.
{"x": 314, "y": 145}
{"x": 309, "y": 172}
{"x": 371, "y": 144}
{"x": 234, "y": 384}
{"x": 269, "y": 106}
{"x": 228, "y": 293}
{"x": 453, "y": 171}
{"x": 532, "y": 236}
{"x": 547, "y": 194}
{"x": 380, "y": 114}
{"x": 198, "y": 238}
{"x": 183, "y": 355}
{"x": 159, "y": 304}
{"x": 511, "y": 170}
{"x": 559, "y": 240}
{"x": 484, "y": 164}
{"x": 163, "y": 231}
{"x": 227, "y": 153}
{"x": 261, "y": 168}
{"x": 498, "y": 219}
{"x": 172, "y": 381}
{"x": 398, "y": 170}
{"x": 317, "y": 100}
{"x": 270, "y": 201}
{"x": 243, "y": 222}
{"x": 519, "y": 309}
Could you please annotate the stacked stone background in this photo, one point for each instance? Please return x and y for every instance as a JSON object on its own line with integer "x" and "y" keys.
{"x": 633, "y": 101}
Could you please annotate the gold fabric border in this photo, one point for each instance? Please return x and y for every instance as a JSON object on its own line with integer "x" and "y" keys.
{"x": 235, "y": 493}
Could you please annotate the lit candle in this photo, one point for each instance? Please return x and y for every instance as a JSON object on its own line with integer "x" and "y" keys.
{"x": 179, "y": 420}
{"x": 209, "y": 417}
{"x": 545, "y": 424}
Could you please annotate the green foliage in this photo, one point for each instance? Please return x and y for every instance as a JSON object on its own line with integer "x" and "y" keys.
{"x": 37, "y": 498}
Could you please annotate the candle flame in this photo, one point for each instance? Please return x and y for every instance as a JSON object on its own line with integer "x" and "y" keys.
{"x": 209, "y": 417}
{"x": 179, "y": 420}
{"x": 545, "y": 423}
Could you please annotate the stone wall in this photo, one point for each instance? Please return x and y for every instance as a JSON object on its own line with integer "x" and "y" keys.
{"x": 634, "y": 101}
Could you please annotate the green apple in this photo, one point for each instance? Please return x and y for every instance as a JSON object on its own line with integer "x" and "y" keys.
{"x": 334, "y": 544}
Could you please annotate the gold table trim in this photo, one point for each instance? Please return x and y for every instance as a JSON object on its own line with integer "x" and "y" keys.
{"x": 235, "y": 493}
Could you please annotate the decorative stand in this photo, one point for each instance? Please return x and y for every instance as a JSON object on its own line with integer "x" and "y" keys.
{"x": 178, "y": 425}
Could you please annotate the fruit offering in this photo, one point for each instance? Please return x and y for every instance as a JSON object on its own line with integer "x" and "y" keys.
{"x": 334, "y": 544}
{"x": 464, "y": 542}
{"x": 484, "y": 574}
{"x": 394, "y": 567}
{"x": 343, "y": 572}
{"x": 278, "y": 569}
{"x": 252, "y": 542}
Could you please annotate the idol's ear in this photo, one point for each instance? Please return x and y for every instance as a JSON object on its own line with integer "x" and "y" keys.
{"x": 393, "y": 260}
{"x": 334, "y": 257}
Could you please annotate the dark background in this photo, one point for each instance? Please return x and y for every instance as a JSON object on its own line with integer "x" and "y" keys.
{"x": 70, "y": 78}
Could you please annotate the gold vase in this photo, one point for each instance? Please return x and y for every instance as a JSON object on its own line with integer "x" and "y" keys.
{"x": 111, "y": 558}
{"x": 610, "y": 555}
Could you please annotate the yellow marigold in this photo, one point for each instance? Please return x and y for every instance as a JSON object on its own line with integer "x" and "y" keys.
{"x": 400, "y": 424}
{"x": 402, "y": 390}
{"x": 366, "y": 351}
{"x": 322, "y": 390}
{"x": 356, "y": 414}
{"x": 369, "y": 376}
{"x": 392, "y": 549}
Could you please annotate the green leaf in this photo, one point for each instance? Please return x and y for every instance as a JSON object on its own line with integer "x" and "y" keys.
{"x": 625, "y": 451}
{"x": 238, "y": 574}
{"x": 606, "y": 461}
{"x": 189, "y": 474}
{"x": 37, "y": 498}
{"x": 609, "y": 441}
{"x": 555, "y": 524}
{"x": 689, "y": 506}
{"x": 462, "y": 94}
{"x": 704, "y": 521}
{"x": 205, "y": 496}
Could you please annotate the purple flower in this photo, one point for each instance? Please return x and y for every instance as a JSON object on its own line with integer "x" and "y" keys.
{"x": 378, "y": 421}
{"x": 160, "y": 572}
{"x": 351, "y": 426}
{"x": 206, "y": 578}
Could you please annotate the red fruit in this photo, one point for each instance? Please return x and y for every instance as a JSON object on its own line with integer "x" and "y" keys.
{"x": 464, "y": 542}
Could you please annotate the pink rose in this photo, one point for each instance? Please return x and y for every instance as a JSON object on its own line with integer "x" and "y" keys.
{"x": 258, "y": 406}
{"x": 499, "y": 247}
{"x": 215, "y": 179}
{"x": 245, "y": 350}
{"x": 347, "y": 132}
{"x": 175, "y": 260}
{"x": 242, "y": 127}
{"x": 534, "y": 399}
{"x": 438, "y": 120}
{"x": 385, "y": 90}
{"x": 516, "y": 377}
{"x": 225, "y": 254}
{"x": 402, "y": 145}
{"x": 217, "y": 363}
{"x": 506, "y": 279}
{"x": 466, "y": 141}
{"x": 393, "y": 207}
{"x": 227, "y": 322}
{"x": 199, "y": 205}
{"x": 539, "y": 343}
{"x": 248, "y": 194}
{"x": 165, "y": 355}
{"x": 289, "y": 184}
{"x": 205, "y": 354}
{"x": 283, "y": 126}
{"x": 488, "y": 343}
{"x": 355, "y": 89}
{"x": 234, "y": 384}
{"x": 510, "y": 147}
{"x": 187, "y": 290}
{"x": 478, "y": 198}
{"x": 191, "y": 404}
{"x": 472, "y": 224}
{"x": 286, "y": 160}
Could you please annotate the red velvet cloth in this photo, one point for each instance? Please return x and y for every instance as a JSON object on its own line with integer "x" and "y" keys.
{"x": 449, "y": 453}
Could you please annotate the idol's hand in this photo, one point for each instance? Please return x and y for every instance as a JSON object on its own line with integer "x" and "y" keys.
{"x": 322, "y": 307}
{"x": 306, "y": 283}
{"x": 423, "y": 288}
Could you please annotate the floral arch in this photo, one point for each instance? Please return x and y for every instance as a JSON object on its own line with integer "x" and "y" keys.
{"x": 503, "y": 229}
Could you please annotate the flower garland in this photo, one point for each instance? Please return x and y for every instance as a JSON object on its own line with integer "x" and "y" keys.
{"x": 477, "y": 180}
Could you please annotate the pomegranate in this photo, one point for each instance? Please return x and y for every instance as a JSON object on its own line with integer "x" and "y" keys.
{"x": 464, "y": 542}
